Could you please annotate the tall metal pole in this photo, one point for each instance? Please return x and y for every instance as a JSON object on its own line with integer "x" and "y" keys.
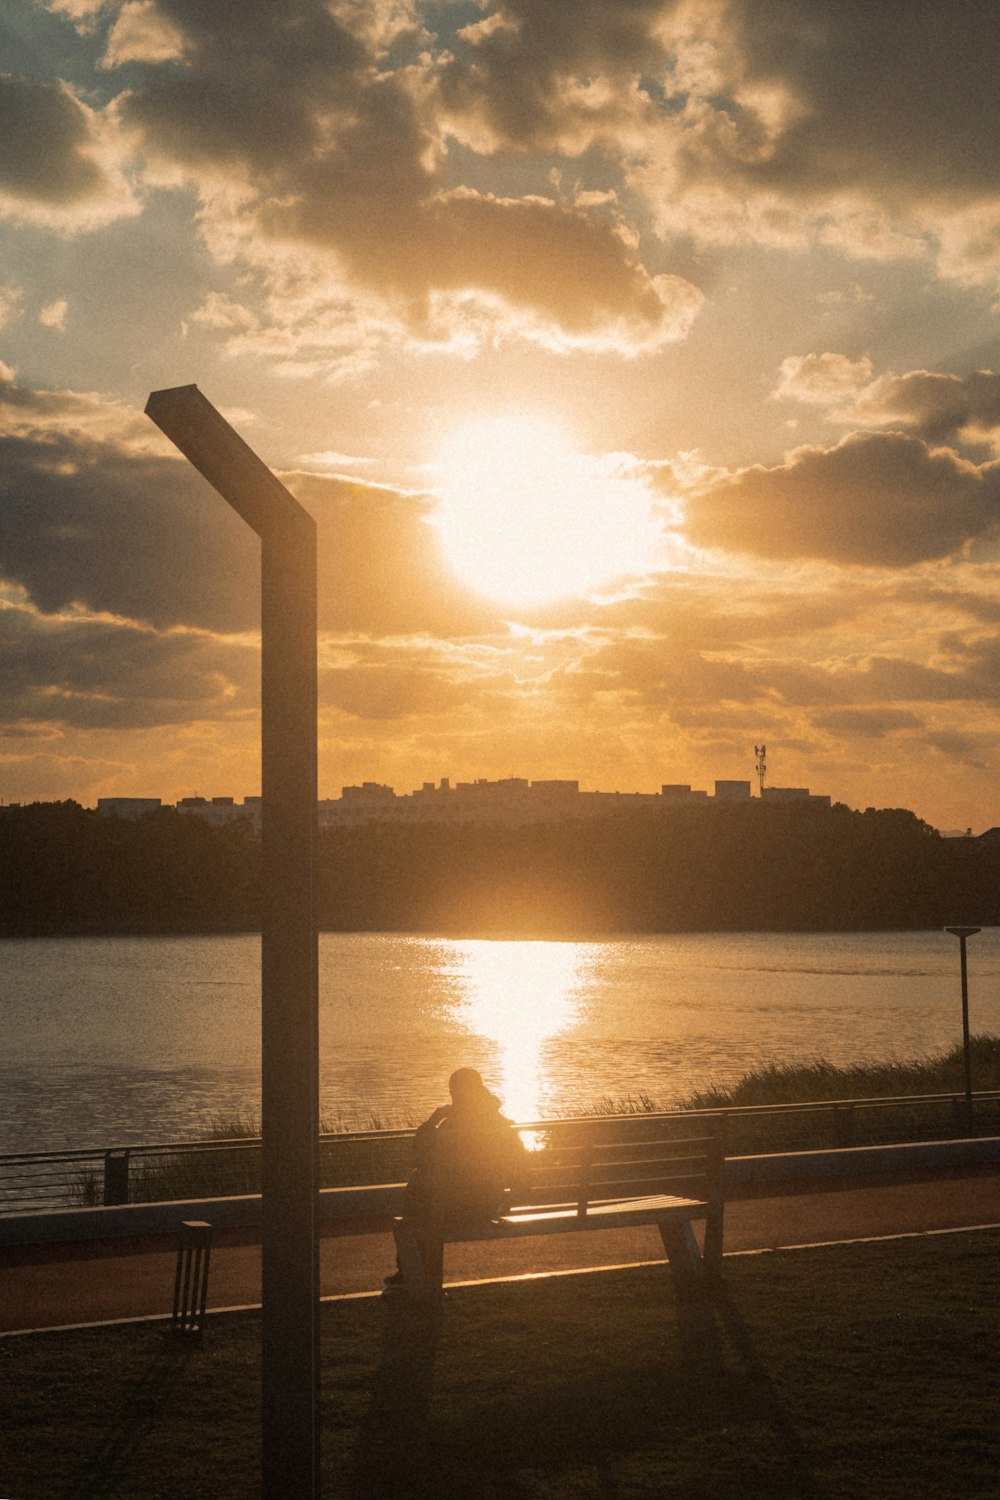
{"x": 289, "y": 958}
{"x": 963, "y": 934}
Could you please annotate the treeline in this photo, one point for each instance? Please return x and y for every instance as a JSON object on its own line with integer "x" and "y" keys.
{"x": 66, "y": 869}
{"x": 772, "y": 867}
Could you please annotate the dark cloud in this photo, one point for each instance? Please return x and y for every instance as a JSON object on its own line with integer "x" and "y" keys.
{"x": 866, "y": 723}
{"x": 520, "y": 76}
{"x": 657, "y": 674}
{"x": 83, "y": 522}
{"x": 94, "y": 520}
{"x": 876, "y": 499}
{"x": 394, "y": 690}
{"x": 47, "y": 776}
{"x": 941, "y": 408}
{"x": 561, "y": 262}
{"x": 847, "y": 100}
{"x": 381, "y": 569}
{"x": 972, "y": 748}
{"x": 337, "y": 154}
{"x": 47, "y": 154}
{"x": 888, "y": 101}
{"x": 256, "y": 80}
{"x": 99, "y": 674}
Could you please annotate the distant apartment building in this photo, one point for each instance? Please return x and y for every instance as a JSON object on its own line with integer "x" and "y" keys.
{"x": 510, "y": 802}
{"x": 216, "y": 810}
{"x": 732, "y": 791}
{"x": 793, "y": 794}
{"x": 514, "y": 800}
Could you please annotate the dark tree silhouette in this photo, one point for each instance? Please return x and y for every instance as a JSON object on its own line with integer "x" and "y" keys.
{"x": 771, "y": 867}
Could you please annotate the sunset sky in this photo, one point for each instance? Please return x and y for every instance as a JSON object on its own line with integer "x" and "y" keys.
{"x": 635, "y": 358}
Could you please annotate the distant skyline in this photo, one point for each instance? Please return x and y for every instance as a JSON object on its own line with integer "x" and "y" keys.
{"x": 639, "y": 361}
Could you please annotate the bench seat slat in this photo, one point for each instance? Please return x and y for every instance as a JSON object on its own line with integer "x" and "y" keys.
{"x": 617, "y": 1213}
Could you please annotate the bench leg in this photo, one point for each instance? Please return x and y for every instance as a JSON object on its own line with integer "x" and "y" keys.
{"x": 713, "y": 1236}
{"x": 421, "y": 1259}
{"x": 682, "y": 1250}
{"x": 432, "y": 1250}
{"x": 410, "y": 1259}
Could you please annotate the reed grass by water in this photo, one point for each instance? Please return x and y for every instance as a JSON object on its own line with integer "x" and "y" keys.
{"x": 384, "y": 1156}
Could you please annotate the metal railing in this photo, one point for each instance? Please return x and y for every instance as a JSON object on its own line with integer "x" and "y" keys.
{"x": 180, "y": 1170}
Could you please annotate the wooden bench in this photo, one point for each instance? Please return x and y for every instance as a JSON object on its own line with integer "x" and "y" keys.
{"x": 597, "y": 1175}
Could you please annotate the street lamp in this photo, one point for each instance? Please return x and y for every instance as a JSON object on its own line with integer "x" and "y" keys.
{"x": 962, "y": 933}
{"x": 289, "y": 957}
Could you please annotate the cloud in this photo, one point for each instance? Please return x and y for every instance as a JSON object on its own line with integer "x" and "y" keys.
{"x": 60, "y": 165}
{"x": 785, "y": 124}
{"x": 278, "y": 124}
{"x": 825, "y": 380}
{"x": 866, "y": 723}
{"x": 876, "y": 499}
{"x": 85, "y": 673}
{"x": 83, "y": 480}
{"x": 397, "y": 684}
{"x": 10, "y": 303}
{"x": 857, "y": 127}
{"x": 74, "y": 498}
{"x": 141, "y": 33}
{"x": 381, "y": 567}
{"x": 53, "y": 314}
{"x": 940, "y": 408}
{"x": 546, "y": 77}
{"x": 46, "y": 777}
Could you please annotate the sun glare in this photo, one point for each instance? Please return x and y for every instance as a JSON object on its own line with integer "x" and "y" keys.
{"x": 525, "y": 518}
{"x": 520, "y": 995}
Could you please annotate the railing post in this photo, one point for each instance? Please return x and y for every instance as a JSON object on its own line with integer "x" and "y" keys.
{"x": 115, "y": 1177}
{"x": 716, "y": 1199}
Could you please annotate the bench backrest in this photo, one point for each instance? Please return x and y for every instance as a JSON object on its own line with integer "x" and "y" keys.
{"x": 590, "y": 1163}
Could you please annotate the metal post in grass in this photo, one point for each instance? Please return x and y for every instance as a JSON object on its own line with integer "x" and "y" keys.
{"x": 963, "y": 934}
{"x": 289, "y": 959}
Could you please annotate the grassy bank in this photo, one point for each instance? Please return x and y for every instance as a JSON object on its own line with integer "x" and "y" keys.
{"x": 833, "y": 1373}
{"x": 783, "y": 1083}
{"x": 817, "y": 1080}
{"x": 346, "y": 1162}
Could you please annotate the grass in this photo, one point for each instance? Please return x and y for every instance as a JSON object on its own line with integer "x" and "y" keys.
{"x": 783, "y": 1083}
{"x": 793, "y": 1083}
{"x": 824, "y": 1374}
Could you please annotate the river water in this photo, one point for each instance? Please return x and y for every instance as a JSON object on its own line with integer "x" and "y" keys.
{"x": 126, "y": 1040}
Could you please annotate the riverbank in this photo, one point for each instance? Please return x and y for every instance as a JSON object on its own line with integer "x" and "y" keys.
{"x": 386, "y": 1157}
{"x": 811, "y": 1377}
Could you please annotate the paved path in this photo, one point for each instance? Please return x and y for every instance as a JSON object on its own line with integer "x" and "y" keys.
{"x": 54, "y": 1286}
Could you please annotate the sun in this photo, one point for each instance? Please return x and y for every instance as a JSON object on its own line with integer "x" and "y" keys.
{"x": 526, "y": 518}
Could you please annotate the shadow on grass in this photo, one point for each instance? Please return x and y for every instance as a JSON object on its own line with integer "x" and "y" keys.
{"x": 765, "y": 1397}
{"x": 393, "y": 1455}
{"x": 135, "y": 1419}
{"x": 631, "y": 1429}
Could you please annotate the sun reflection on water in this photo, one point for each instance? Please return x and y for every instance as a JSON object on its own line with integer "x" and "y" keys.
{"x": 518, "y": 995}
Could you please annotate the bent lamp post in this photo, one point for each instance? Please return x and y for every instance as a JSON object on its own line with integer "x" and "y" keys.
{"x": 289, "y": 961}
{"x": 962, "y": 933}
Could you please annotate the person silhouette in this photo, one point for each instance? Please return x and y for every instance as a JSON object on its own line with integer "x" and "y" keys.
{"x": 469, "y": 1158}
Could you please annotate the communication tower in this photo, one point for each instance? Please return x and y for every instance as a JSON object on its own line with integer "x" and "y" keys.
{"x": 760, "y": 756}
